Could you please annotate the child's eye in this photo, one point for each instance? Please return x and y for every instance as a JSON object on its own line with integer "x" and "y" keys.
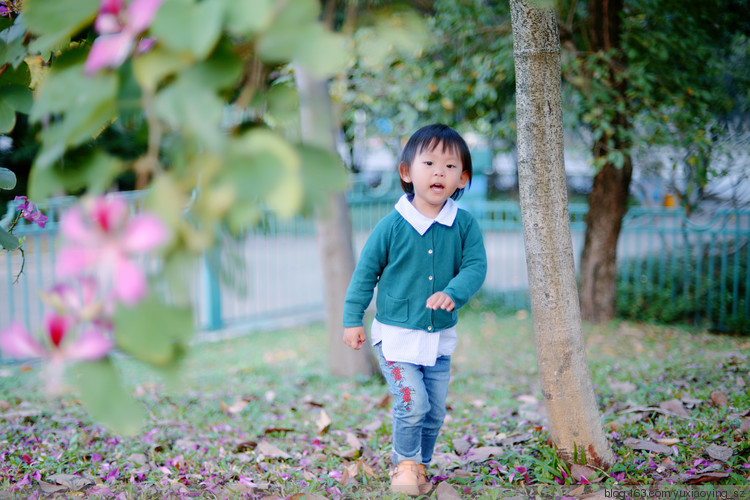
{"x": 428, "y": 163}
{"x": 451, "y": 166}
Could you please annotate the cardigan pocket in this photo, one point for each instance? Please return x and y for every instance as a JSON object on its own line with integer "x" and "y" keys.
{"x": 396, "y": 309}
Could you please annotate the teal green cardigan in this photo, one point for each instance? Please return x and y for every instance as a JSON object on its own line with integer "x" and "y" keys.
{"x": 408, "y": 268}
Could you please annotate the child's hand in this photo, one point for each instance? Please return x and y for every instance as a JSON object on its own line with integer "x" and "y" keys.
{"x": 440, "y": 300}
{"x": 354, "y": 337}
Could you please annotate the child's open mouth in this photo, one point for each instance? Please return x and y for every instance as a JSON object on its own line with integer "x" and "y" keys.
{"x": 437, "y": 187}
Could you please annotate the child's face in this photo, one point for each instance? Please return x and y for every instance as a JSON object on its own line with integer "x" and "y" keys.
{"x": 436, "y": 175}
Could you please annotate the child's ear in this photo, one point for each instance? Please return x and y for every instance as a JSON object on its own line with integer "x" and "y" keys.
{"x": 403, "y": 171}
{"x": 464, "y": 180}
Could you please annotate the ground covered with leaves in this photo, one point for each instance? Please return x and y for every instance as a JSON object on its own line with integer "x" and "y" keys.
{"x": 258, "y": 416}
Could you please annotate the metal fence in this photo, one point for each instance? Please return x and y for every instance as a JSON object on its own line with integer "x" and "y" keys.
{"x": 696, "y": 271}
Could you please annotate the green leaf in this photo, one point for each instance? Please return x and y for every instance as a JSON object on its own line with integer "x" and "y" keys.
{"x": 281, "y": 102}
{"x": 184, "y": 25}
{"x": 323, "y": 172}
{"x": 155, "y": 65}
{"x": 18, "y": 97}
{"x": 324, "y": 53}
{"x": 248, "y": 17}
{"x": 7, "y": 179}
{"x": 78, "y": 126}
{"x": 8, "y": 241}
{"x": 71, "y": 88}
{"x": 104, "y": 397}
{"x": 290, "y": 30}
{"x": 12, "y": 49}
{"x": 154, "y": 332}
{"x": 17, "y": 76}
{"x": 57, "y": 20}
{"x": 95, "y": 173}
{"x": 186, "y": 105}
{"x": 7, "y": 117}
{"x": 222, "y": 70}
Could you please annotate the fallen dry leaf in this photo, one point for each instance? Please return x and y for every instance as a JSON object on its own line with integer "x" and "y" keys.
{"x": 137, "y": 458}
{"x": 350, "y": 472}
{"x": 667, "y": 441}
{"x": 674, "y": 406}
{"x": 577, "y": 471}
{"x": 719, "y": 399}
{"x": 50, "y": 488}
{"x": 233, "y": 408}
{"x": 73, "y": 483}
{"x": 461, "y": 446}
{"x": 372, "y": 426}
{"x": 445, "y": 491}
{"x": 353, "y": 441}
{"x": 640, "y": 444}
{"x": 349, "y": 453}
{"x": 721, "y": 453}
{"x": 323, "y": 422}
{"x": 483, "y": 453}
{"x": 270, "y": 451}
{"x": 245, "y": 446}
{"x": 708, "y": 477}
{"x": 366, "y": 469}
{"x": 280, "y": 430}
{"x": 518, "y": 438}
{"x": 745, "y": 425}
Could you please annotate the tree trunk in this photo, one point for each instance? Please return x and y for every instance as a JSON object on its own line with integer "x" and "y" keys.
{"x": 607, "y": 207}
{"x": 334, "y": 229}
{"x": 609, "y": 194}
{"x": 575, "y": 424}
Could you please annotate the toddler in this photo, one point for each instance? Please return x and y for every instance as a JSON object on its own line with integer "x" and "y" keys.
{"x": 427, "y": 259}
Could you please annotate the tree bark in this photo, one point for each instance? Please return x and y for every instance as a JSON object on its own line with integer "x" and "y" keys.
{"x": 607, "y": 207}
{"x": 334, "y": 229}
{"x": 575, "y": 424}
{"x": 609, "y": 194}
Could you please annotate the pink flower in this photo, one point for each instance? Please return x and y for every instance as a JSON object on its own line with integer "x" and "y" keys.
{"x": 91, "y": 345}
{"x": 524, "y": 472}
{"x": 30, "y": 212}
{"x": 101, "y": 240}
{"x": 15, "y": 341}
{"x": 118, "y": 32}
{"x": 80, "y": 299}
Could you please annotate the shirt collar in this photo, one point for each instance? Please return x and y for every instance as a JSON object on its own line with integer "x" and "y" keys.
{"x": 420, "y": 222}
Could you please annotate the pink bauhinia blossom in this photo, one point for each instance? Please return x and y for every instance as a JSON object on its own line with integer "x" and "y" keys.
{"x": 58, "y": 346}
{"x": 82, "y": 299}
{"x": 118, "y": 31}
{"x": 100, "y": 239}
{"x": 30, "y": 212}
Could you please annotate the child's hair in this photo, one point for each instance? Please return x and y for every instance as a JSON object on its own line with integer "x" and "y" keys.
{"x": 429, "y": 137}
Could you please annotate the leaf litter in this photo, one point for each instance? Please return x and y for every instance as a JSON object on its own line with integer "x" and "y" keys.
{"x": 675, "y": 409}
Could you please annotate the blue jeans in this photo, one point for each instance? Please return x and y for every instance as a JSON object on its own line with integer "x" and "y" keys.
{"x": 418, "y": 407}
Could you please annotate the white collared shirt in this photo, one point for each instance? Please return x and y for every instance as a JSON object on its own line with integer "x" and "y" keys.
{"x": 417, "y": 346}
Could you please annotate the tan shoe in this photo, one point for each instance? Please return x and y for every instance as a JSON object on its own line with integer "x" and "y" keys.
{"x": 405, "y": 478}
{"x": 424, "y": 485}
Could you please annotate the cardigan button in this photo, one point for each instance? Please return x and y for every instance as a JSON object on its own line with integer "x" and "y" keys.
{"x": 429, "y": 328}
{"x": 429, "y": 251}
{"x": 430, "y": 278}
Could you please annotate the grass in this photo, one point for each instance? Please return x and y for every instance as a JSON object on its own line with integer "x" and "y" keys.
{"x": 259, "y": 416}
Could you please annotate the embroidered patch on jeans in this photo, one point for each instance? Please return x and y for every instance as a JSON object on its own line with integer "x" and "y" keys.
{"x": 404, "y": 390}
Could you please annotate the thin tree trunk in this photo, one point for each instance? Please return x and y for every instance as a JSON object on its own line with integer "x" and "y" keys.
{"x": 609, "y": 194}
{"x": 334, "y": 229}
{"x": 575, "y": 424}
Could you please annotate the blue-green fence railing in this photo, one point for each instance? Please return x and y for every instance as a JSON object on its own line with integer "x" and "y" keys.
{"x": 682, "y": 269}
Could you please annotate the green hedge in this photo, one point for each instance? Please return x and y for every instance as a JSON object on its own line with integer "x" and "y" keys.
{"x": 697, "y": 290}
